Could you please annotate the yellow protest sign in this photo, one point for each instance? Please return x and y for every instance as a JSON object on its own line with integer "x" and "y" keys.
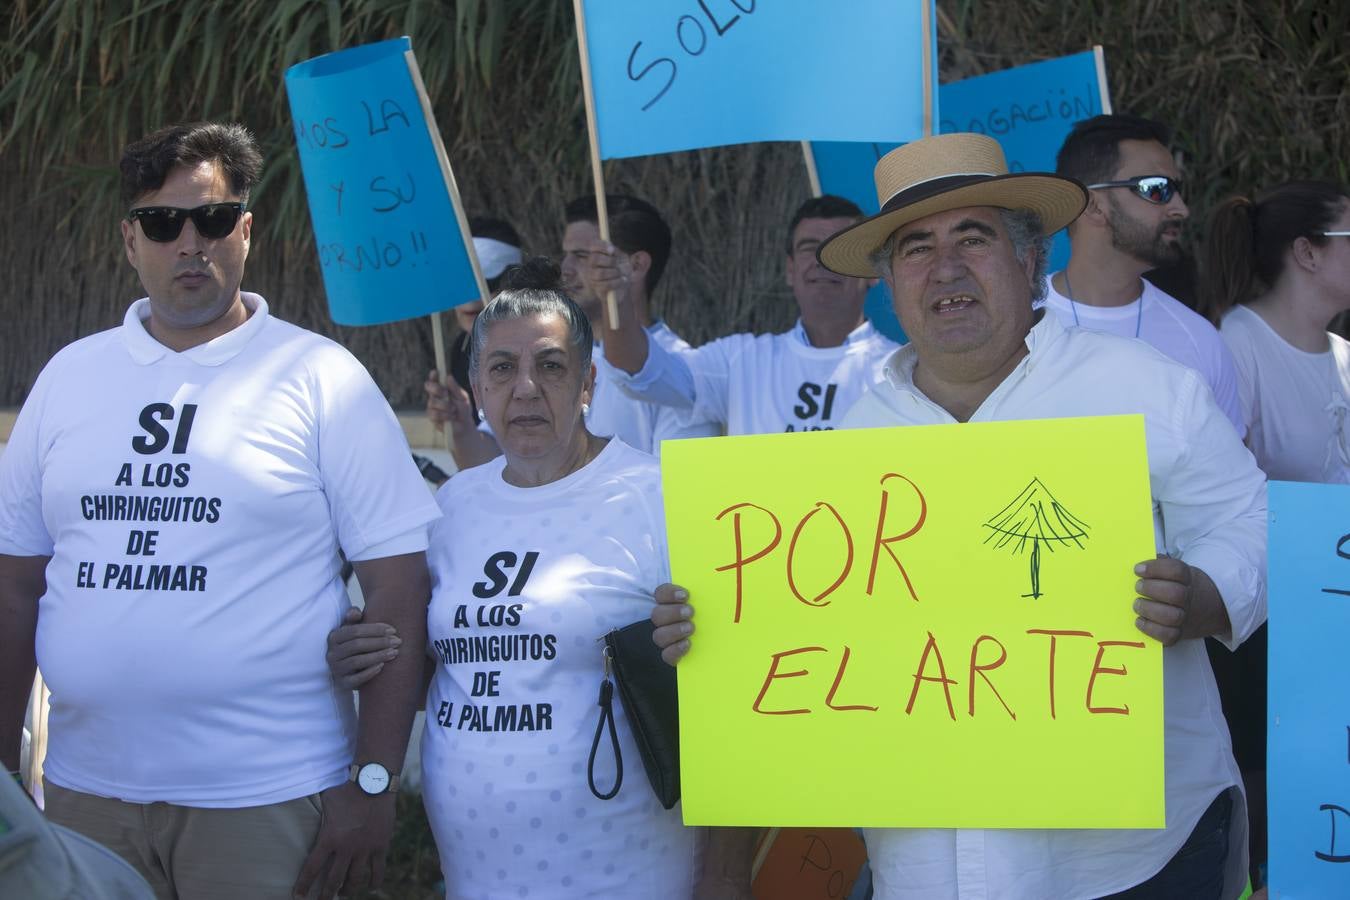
{"x": 918, "y": 627}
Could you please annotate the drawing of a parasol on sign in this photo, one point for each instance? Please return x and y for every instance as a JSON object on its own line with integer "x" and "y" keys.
{"x": 1035, "y": 518}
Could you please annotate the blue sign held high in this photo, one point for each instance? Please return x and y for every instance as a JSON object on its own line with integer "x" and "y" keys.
{"x": 1029, "y": 109}
{"x": 673, "y": 75}
{"x": 389, "y": 239}
{"x": 1308, "y": 734}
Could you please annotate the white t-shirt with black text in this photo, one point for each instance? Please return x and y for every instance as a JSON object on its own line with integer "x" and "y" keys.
{"x": 768, "y": 383}
{"x": 193, "y": 505}
{"x": 525, "y": 582}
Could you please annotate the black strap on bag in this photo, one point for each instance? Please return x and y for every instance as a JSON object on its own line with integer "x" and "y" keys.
{"x": 647, "y": 688}
{"x": 606, "y": 704}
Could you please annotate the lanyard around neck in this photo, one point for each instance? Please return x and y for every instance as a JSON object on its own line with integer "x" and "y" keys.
{"x": 1073, "y": 307}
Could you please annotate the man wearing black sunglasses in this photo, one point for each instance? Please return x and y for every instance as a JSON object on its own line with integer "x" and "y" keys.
{"x": 175, "y": 493}
{"x": 1132, "y": 225}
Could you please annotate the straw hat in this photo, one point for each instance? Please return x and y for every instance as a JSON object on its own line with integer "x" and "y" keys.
{"x": 941, "y": 173}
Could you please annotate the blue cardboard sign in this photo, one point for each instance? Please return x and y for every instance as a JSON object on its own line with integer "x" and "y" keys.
{"x": 1029, "y": 109}
{"x": 391, "y": 243}
{"x": 673, "y": 75}
{"x": 845, "y": 170}
{"x": 1308, "y": 735}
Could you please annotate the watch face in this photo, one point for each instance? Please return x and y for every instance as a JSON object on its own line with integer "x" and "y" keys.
{"x": 373, "y": 778}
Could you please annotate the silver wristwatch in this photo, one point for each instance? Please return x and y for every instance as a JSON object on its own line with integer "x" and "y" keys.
{"x": 373, "y": 779}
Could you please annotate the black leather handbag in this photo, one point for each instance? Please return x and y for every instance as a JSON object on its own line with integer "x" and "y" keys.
{"x": 647, "y": 689}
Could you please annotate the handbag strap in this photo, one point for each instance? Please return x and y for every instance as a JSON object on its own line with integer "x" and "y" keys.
{"x": 606, "y": 704}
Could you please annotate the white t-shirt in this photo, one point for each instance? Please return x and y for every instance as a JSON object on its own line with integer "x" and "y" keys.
{"x": 525, "y": 582}
{"x": 1209, "y": 505}
{"x": 639, "y": 424}
{"x": 1296, "y": 402}
{"x": 761, "y": 384}
{"x": 1162, "y": 321}
{"x": 193, "y": 504}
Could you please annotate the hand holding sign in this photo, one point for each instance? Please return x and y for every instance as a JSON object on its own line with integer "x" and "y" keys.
{"x": 1177, "y": 602}
{"x": 673, "y": 617}
{"x": 607, "y": 269}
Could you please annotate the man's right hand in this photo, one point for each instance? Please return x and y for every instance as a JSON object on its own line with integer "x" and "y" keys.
{"x": 672, "y": 617}
{"x": 352, "y": 843}
{"x": 358, "y": 651}
{"x": 606, "y": 269}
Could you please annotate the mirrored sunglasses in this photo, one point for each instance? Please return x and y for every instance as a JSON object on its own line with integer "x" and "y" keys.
{"x": 1154, "y": 188}
{"x": 164, "y": 223}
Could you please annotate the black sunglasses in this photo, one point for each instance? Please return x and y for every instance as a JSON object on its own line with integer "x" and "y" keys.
{"x": 1157, "y": 189}
{"x": 164, "y": 223}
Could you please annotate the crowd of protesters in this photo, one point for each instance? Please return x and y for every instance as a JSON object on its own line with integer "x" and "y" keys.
{"x": 202, "y": 722}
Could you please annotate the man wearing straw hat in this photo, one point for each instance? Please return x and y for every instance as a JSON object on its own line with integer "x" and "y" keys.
{"x": 961, "y": 243}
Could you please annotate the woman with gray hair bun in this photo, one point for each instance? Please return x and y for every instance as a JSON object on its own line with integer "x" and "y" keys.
{"x": 541, "y": 551}
{"x": 450, "y": 400}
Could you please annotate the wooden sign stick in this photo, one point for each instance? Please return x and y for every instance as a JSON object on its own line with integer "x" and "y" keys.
{"x": 597, "y": 171}
{"x": 812, "y": 173}
{"x": 928, "y": 41}
{"x": 437, "y": 336}
{"x": 1101, "y": 78}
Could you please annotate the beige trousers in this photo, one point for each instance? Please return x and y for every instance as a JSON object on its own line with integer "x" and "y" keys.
{"x": 194, "y": 853}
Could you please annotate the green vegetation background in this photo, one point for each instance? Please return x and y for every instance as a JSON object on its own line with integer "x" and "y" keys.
{"x": 1256, "y": 90}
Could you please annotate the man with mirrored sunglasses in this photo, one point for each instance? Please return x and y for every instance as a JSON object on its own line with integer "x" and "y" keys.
{"x": 172, "y": 502}
{"x": 1132, "y": 225}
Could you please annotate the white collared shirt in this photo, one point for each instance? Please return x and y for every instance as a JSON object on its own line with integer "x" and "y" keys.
{"x": 1209, "y": 505}
{"x": 761, "y": 384}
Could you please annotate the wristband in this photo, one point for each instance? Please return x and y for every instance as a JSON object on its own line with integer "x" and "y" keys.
{"x": 18, "y": 778}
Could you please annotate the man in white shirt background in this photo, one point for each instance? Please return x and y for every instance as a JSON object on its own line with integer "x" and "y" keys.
{"x": 961, "y": 243}
{"x": 804, "y": 379}
{"x": 1133, "y": 224}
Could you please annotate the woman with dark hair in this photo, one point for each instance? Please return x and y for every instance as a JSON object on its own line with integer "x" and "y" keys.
{"x": 1278, "y": 272}
{"x": 540, "y": 553}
